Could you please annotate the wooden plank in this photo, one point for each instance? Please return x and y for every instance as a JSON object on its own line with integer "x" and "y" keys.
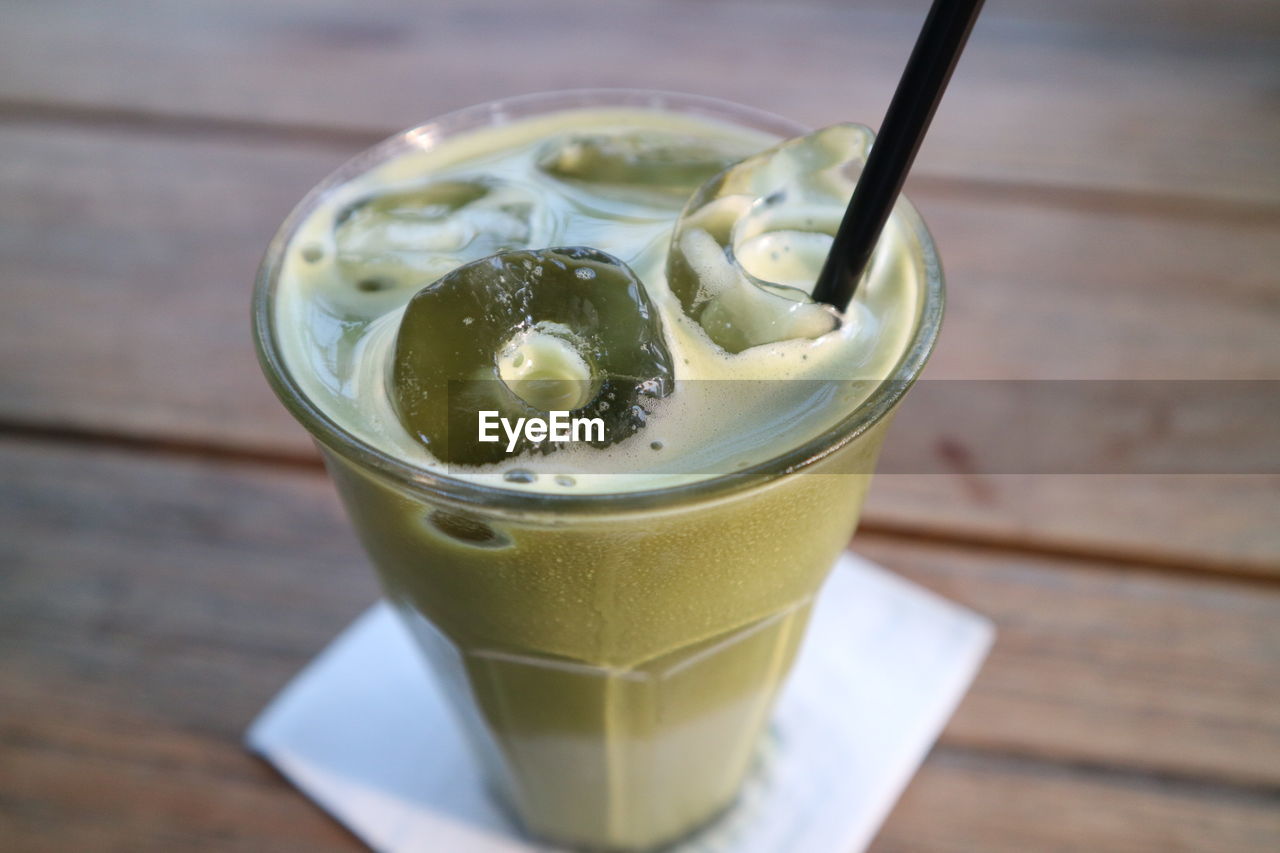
{"x": 1098, "y": 663}
{"x": 1199, "y": 18}
{"x": 129, "y": 263}
{"x": 91, "y": 784}
{"x": 128, "y": 290}
{"x": 175, "y": 594}
{"x": 1083, "y": 287}
{"x": 1201, "y": 522}
{"x": 978, "y": 804}
{"x": 1148, "y": 98}
{"x": 140, "y": 632}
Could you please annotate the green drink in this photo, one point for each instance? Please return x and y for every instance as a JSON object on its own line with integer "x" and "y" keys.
{"x": 613, "y": 617}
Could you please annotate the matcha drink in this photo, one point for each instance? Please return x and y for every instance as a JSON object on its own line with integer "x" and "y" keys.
{"x": 613, "y": 616}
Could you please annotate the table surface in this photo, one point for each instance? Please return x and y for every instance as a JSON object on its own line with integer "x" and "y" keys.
{"x": 1102, "y": 182}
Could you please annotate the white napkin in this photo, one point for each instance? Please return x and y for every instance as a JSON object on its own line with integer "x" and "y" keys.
{"x": 365, "y": 732}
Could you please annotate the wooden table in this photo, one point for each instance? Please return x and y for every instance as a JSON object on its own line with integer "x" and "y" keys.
{"x": 1102, "y": 182}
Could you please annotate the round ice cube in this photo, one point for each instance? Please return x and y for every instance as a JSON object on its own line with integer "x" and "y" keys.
{"x": 522, "y": 334}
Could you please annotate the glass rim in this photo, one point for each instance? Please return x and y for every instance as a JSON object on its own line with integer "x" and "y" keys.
{"x": 326, "y": 431}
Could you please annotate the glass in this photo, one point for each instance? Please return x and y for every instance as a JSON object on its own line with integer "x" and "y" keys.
{"x": 613, "y": 657}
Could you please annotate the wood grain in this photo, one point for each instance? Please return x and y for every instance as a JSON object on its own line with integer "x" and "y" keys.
{"x": 1098, "y": 663}
{"x": 148, "y": 610}
{"x": 74, "y": 786}
{"x": 966, "y": 803}
{"x": 1150, "y": 96}
{"x": 1101, "y": 182}
{"x": 129, "y": 263}
{"x": 151, "y": 604}
{"x": 1196, "y": 522}
{"x": 129, "y": 258}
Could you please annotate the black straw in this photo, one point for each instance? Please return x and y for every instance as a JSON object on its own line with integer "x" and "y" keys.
{"x": 905, "y": 123}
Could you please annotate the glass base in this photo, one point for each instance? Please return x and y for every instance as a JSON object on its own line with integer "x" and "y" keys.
{"x": 607, "y": 758}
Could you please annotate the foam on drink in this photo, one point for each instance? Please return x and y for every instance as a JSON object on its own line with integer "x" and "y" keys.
{"x": 355, "y": 264}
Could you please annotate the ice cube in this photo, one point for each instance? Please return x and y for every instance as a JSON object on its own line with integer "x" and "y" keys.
{"x": 751, "y": 241}
{"x": 523, "y": 333}
{"x": 658, "y": 166}
{"x": 407, "y": 238}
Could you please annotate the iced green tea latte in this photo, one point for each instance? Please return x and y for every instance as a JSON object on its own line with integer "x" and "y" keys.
{"x": 614, "y": 612}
